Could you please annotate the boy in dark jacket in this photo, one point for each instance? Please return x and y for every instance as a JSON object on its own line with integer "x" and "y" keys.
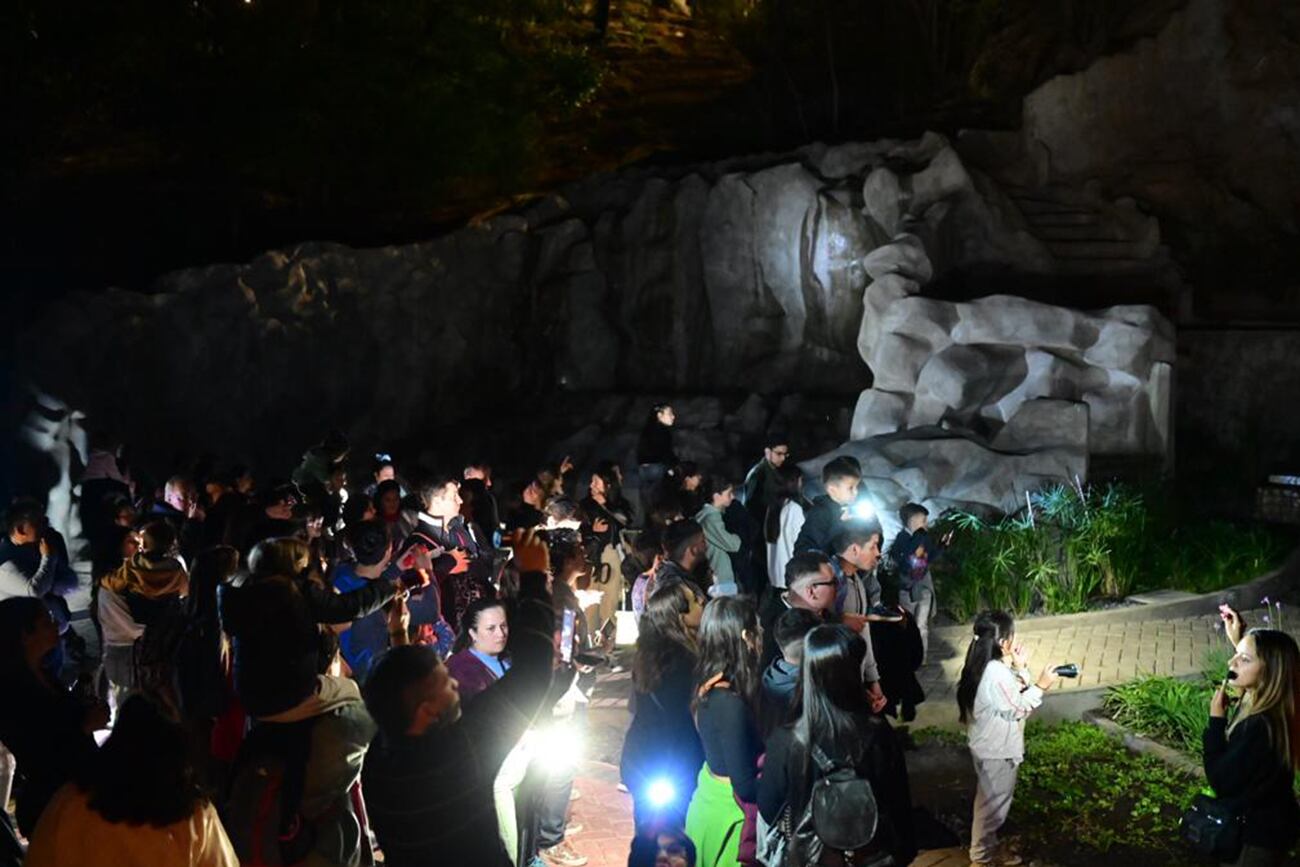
{"x": 841, "y": 478}
{"x": 913, "y": 552}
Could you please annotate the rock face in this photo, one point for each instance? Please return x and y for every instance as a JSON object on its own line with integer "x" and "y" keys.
{"x": 734, "y": 277}
{"x": 765, "y": 276}
{"x": 942, "y": 469}
{"x": 1199, "y": 123}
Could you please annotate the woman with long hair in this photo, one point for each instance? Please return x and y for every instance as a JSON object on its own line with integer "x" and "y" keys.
{"x": 783, "y": 521}
{"x": 479, "y": 658}
{"x": 662, "y": 752}
{"x": 836, "y": 719}
{"x": 136, "y": 803}
{"x": 995, "y": 695}
{"x": 726, "y": 676}
{"x": 1253, "y": 758}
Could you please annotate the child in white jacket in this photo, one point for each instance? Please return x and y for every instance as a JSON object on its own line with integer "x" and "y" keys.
{"x": 995, "y": 696}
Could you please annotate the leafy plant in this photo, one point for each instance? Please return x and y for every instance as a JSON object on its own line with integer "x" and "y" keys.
{"x": 1075, "y": 776}
{"x": 1074, "y": 543}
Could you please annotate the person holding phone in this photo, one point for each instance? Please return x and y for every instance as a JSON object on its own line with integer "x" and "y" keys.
{"x": 994, "y": 697}
{"x": 1252, "y": 757}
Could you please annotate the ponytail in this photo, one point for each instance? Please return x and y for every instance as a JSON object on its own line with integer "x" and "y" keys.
{"x": 991, "y": 628}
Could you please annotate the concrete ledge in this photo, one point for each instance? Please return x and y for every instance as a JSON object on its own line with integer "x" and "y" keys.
{"x": 1136, "y": 743}
{"x": 1242, "y": 596}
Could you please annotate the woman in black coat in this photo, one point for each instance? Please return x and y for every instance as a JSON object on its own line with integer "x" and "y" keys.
{"x": 1253, "y": 758}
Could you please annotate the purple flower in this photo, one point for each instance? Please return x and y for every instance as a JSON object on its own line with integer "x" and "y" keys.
{"x": 1266, "y": 618}
{"x": 1264, "y": 601}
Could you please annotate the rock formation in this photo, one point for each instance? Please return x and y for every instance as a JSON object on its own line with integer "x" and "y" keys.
{"x": 769, "y": 275}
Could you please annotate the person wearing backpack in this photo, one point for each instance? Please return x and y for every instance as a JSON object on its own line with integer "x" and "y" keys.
{"x": 727, "y": 678}
{"x": 834, "y": 783}
{"x": 995, "y": 696}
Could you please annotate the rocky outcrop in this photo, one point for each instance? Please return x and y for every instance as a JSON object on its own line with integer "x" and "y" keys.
{"x": 740, "y": 276}
{"x": 1198, "y": 123}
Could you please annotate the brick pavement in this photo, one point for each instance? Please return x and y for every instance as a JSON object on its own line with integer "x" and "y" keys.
{"x": 1107, "y": 653}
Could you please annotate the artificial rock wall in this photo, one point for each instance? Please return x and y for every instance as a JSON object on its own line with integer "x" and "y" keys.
{"x": 777, "y": 274}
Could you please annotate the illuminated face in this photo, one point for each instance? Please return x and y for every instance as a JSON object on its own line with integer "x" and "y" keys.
{"x": 692, "y": 483}
{"x": 1247, "y": 664}
{"x": 446, "y": 502}
{"x": 25, "y": 533}
{"x": 843, "y": 490}
{"x": 598, "y": 487}
{"x": 666, "y": 416}
{"x": 724, "y": 499}
{"x": 865, "y": 557}
{"x": 917, "y": 522}
{"x": 491, "y": 632}
{"x": 776, "y": 456}
{"x": 385, "y": 473}
{"x": 390, "y": 502}
{"x": 180, "y": 497}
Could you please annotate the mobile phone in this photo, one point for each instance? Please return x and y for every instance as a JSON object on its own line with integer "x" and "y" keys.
{"x": 566, "y": 635}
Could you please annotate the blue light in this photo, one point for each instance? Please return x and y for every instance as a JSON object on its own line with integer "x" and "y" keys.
{"x": 661, "y": 793}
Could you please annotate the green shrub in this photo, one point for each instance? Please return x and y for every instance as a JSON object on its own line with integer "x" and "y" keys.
{"x": 1073, "y": 544}
{"x": 1076, "y": 777}
{"x": 1167, "y": 709}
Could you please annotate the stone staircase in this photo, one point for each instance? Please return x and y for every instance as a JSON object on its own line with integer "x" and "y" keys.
{"x": 1090, "y": 237}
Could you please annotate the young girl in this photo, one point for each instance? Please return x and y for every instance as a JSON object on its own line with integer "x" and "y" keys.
{"x": 995, "y": 696}
{"x": 1254, "y": 758}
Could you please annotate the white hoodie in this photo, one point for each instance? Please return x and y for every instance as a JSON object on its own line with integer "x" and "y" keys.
{"x": 1003, "y": 700}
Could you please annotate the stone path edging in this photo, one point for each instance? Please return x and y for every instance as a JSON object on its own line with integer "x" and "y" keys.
{"x": 1142, "y": 745}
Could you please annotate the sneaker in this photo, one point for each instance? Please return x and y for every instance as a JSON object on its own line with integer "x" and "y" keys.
{"x": 573, "y": 828}
{"x": 563, "y": 855}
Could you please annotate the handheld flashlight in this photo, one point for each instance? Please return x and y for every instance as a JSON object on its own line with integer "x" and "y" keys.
{"x": 863, "y": 510}
{"x": 661, "y": 793}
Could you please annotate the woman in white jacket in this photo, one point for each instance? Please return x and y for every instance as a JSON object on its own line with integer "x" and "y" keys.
{"x": 995, "y": 695}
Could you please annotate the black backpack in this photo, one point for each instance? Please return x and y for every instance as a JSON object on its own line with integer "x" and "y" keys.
{"x": 839, "y": 823}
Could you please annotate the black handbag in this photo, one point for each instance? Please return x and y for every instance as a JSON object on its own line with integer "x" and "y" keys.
{"x": 1214, "y": 827}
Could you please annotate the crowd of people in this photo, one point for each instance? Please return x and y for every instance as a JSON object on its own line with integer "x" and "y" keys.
{"x": 316, "y": 672}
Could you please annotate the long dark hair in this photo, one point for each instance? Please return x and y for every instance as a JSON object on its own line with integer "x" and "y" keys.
{"x": 142, "y": 775}
{"x": 789, "y": 480}
{"x": 661, "y": 635}
{"x": 723, "y": 649}
{"x": 469, "y": 620}
{"x": 991, "y": 628}
{"x": 834, "y": 696}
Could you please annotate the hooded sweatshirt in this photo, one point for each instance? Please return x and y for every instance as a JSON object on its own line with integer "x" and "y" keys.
{"x": 138, "y": 593}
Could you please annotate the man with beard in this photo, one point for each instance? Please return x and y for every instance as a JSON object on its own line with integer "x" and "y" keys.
{"x": 429, "y": 775}
{"x": 685, "y": 559}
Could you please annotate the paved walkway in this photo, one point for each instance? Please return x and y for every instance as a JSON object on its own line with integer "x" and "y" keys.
{"x": 1107, "y": 651}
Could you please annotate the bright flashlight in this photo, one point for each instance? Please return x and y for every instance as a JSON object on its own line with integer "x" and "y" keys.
{"x": 558, "y": 747}
{"x": 661, "y": 793}
{"x": 863, "y": 510}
